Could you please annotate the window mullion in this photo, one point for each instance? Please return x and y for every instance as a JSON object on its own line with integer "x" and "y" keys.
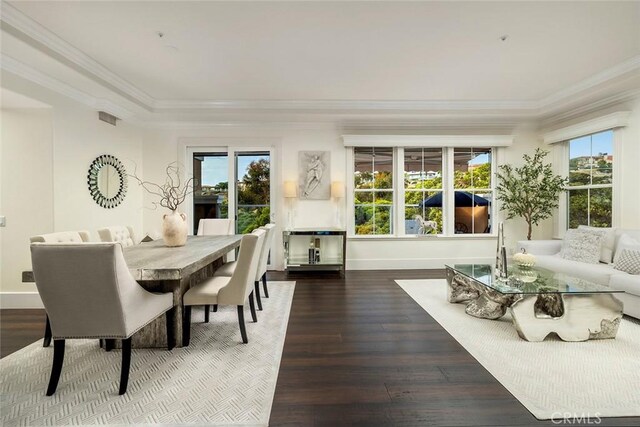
{"x": 398, "y": 193}
{"x": 448, "y": 205}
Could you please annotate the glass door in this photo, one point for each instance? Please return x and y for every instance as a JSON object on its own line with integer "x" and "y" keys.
{"x": 210, "y": 187}
{"x": 252, "y": 190}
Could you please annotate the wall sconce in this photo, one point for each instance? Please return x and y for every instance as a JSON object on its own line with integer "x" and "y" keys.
{"x": 290, "y": 189}
{"x": 337, "y": 189}
{"x": 337, "y": 193}
{"x": 290, "y": 194}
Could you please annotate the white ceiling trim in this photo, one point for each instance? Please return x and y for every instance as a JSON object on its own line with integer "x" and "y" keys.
{"x": 333, "y": 105}
{"x": 531, "y": 109}
{"x": 599, "y": 124}
{"x": 37, "y": 32}
{"x": 13, "y": 66}
{"x": 591, "y": 82}
{"x": 427, "y": 140}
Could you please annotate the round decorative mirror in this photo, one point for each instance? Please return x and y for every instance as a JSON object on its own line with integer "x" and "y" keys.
{"x": 107, "y": 181}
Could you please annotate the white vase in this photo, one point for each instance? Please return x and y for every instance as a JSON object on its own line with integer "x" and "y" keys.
{"x": 174, "y": 229}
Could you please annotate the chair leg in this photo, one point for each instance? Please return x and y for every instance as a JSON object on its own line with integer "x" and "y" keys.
{"x": 109, "y": 344}
{"x": 171, "y": 332}
{"x": 254, "y": 317}
{"x": 186, "y": 325}
{"x": 47, "y": 334}
{"x": 206, "y": 313}
{"x": 243, "y": 331}
{"x": 56, "y": 367}
{"x": 126, "y": 364}
{"x": 264, "y": 285}
{"x": 215, "y": 308}
{"x": 257, "y": 294}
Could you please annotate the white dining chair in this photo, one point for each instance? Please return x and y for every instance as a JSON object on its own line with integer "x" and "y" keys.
{"x": 215, "y": 227}
{"x": 59, "y": 237}
{"x": 118, "y": 234}
{"x": 88, "y": 292}
{"x": 234, "y": 290}
{"x": 227, "y": 269}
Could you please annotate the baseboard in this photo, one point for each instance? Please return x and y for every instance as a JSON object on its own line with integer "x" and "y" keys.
{"x": 411, "y": 263}
{"x": 20, "y": 300}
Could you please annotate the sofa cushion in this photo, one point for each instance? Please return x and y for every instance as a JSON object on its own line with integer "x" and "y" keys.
{"x": 582, "y": 245}
{"x": 625, "y": 242}
{"x": 609, "y": 243}
{"x": 628, "y": 261}
{"x": 596, "y": 273}
{"x": 625, "y": 282}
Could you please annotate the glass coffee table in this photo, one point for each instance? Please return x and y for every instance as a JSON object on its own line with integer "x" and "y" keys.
{"x": 540, "y": 301}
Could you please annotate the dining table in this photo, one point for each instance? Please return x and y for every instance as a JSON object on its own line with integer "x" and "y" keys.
{"x": 159, "y": 268}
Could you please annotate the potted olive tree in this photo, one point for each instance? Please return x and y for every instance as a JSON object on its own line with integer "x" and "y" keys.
{"x": 530, "y": 191}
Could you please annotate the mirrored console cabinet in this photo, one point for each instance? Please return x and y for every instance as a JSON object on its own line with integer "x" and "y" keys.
{"x": 321, "y": 249}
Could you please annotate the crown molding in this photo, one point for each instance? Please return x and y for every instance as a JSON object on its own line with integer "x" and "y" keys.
{"x": 584, "y": 86}
{"x": 591, "y": 107}
{"x": 13, "y": 66}
{"x": 598, "y": 124}
{"x": 427, "y": 140}
{"x": 30, "y": 28}
{"x": 342, "y": 105}
{"x": 523, "y": 110}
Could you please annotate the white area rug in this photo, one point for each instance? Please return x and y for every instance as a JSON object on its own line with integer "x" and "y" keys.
{"x": 595, "y": 378}
{"x": 217, "y": 380}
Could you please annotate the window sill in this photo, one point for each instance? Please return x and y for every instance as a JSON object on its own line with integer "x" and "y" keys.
{"x": 424, "y": 238}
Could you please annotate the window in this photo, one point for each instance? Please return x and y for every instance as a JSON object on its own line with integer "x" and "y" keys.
{"x": 423, "y": 191}
{"x": 373, "y": 190}
{"x": 440, "y": 190}
{"x": 590, "y": 189}
{"x": 472, "y": 185}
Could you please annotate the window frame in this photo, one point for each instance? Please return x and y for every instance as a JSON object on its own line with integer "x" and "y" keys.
{"x": 448, "y": 229}
{"x": 373, "y": 190}
{"x": 566, "y": 169}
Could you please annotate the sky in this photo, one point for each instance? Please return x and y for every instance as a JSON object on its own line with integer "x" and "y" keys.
{"x": 215, "y": 169}
{"x": 600, "y": 143}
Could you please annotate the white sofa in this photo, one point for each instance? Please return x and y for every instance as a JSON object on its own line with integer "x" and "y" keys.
{"x": 547, "y": 254}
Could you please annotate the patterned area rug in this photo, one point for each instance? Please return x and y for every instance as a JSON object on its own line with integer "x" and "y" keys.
{"x": 597, "y": 378}
{"x": 217, "y": 380}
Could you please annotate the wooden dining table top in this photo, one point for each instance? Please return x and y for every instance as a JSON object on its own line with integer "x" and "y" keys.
{"x": 155, "y": 261}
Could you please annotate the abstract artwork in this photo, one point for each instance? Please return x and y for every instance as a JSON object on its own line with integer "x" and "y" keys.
{"x": 314, "y": 176}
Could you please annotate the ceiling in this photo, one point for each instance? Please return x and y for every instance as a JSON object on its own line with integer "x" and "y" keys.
{"x": 347, "y": 51}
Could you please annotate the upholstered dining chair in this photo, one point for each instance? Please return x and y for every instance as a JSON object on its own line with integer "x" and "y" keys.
{"x": 60, "y": 237}
{"x": 234, "y": 290}
{"x": 118, "y": 234}
{"x": 261, "y": 272}
{"x": 215, "y": 226}
{"x": 88, "y": 292}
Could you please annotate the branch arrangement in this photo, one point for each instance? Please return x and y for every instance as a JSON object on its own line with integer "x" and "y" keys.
{"x": 172, "y": 193}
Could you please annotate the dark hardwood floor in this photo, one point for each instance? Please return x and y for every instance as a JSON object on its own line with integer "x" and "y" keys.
{"x": 359, "y": 351}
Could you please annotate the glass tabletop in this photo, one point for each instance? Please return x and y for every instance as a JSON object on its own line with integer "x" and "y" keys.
{"x": 534, "y": 280}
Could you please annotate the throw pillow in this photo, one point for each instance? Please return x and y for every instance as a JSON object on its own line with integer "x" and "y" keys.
{"x": 582, "y": 245}
{"x": 628, "y": 261}
{"x": 609, "y": 243}
{"x": 625, "y": 242}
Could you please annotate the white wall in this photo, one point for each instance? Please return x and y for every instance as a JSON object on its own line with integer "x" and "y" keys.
{"x": 163, "y": 147}
{"x": 629, "y": 162}
{"x": 45, "y": 160}
{"x": 26, "y": 189}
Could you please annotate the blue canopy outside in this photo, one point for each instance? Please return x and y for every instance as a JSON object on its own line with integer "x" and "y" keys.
{"x": 463, "y": 199}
